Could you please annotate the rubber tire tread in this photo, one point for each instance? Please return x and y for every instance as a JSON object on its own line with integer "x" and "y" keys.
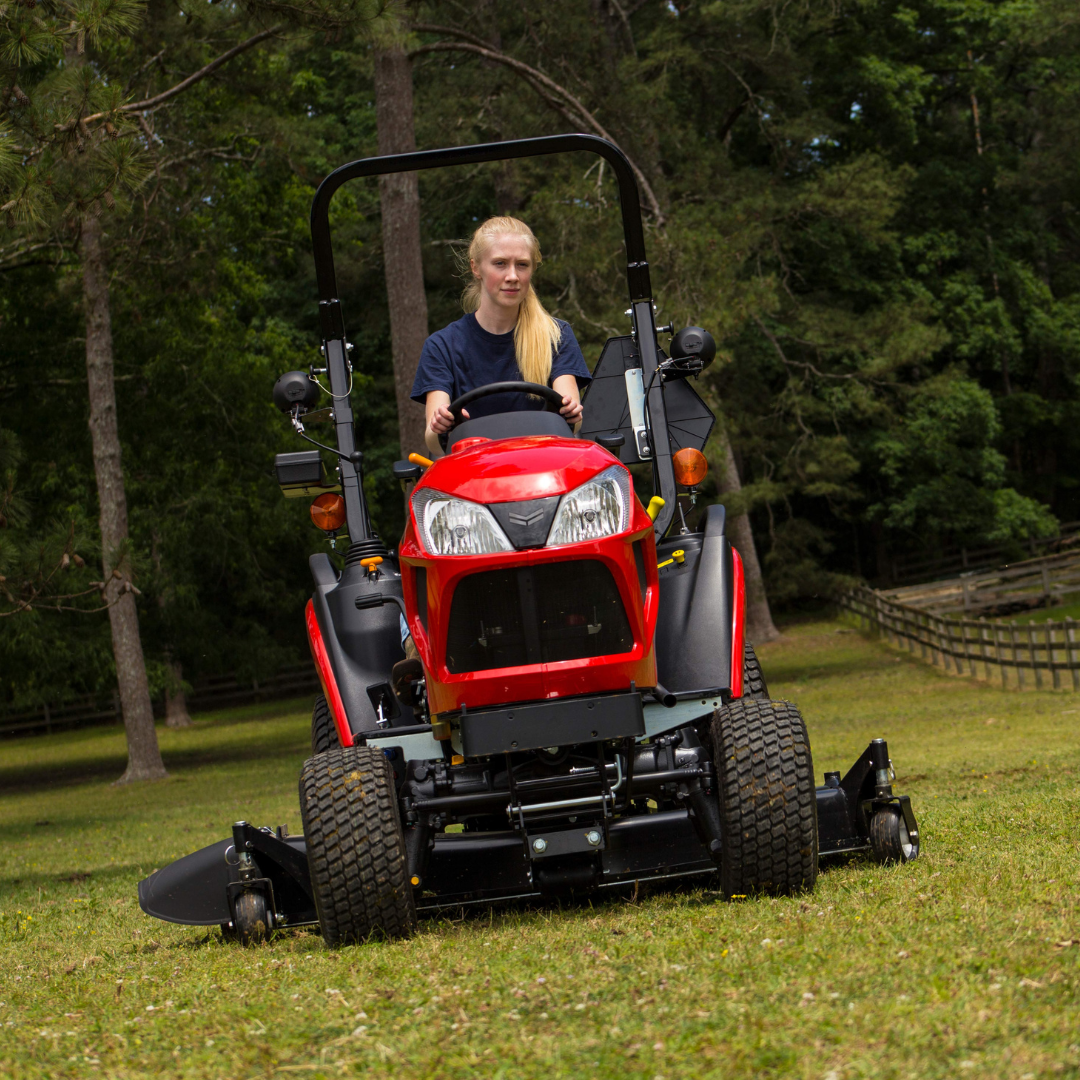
{"x": 768, "y": 803}
{"x": 753, "y": 685}
{"x": 324, "y": 734}
{"x": 251, "y": 920}
{"x": 355, "y": 846}
{"x": 885, "y": 836}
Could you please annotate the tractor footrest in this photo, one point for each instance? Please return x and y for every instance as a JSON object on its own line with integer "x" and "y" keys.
{"x": 562, "y": 722}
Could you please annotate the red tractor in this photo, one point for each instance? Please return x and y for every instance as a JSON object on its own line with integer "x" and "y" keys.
{"x": 584, "y": 713}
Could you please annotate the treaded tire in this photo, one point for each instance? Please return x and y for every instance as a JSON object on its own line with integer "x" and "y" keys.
{"x": 889, "y": 839}
{"x": 323, "y": 730}
{"x": 753, "y": 685}
{"x": 251, "y": 920}
{"x": 355, "y": 846}
{"x": 768, "y": 805}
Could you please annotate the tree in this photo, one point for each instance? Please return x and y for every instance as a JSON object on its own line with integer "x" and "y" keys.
{"x": 400, "y": 203}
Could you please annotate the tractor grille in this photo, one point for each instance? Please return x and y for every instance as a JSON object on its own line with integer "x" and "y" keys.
{"x": 536, "y": 615}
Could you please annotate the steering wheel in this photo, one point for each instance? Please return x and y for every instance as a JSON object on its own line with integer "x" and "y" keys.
{"x": 553, "y": 401}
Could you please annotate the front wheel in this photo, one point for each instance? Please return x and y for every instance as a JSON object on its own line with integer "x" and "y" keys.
{"x": 324, "y": 734}
{"x": 768, "y": 805}
{"x": 890, "y": 840}
{"x": 355, "y": 846}
{"x": 753, "y": 677}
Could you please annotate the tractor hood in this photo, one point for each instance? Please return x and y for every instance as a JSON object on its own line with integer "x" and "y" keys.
{"x": 509, "y": 470}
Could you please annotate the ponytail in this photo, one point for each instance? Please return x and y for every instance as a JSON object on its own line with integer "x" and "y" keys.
{"x": 536, "y": 334}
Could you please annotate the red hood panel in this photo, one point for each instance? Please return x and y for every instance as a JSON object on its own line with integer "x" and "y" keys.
{"x": 533, "y": 467}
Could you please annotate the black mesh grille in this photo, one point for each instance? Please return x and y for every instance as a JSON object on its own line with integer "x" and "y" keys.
{"x": 534, "y": 615}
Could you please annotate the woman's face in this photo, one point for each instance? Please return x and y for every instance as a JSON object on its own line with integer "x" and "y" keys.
{"x": 504, "y": 271}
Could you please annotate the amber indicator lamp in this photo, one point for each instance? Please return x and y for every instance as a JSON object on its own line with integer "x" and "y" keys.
{"x": 328, "y": 511}
{"x": 690, "y": 467}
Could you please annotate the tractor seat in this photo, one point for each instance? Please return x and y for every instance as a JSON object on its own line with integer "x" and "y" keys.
{"x": 510, "y": 425}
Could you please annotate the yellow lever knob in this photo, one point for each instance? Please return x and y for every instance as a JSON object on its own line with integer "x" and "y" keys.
{"x": 656, "y": 504}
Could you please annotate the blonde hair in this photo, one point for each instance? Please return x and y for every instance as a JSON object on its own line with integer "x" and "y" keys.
{"x": 536, "y": 334}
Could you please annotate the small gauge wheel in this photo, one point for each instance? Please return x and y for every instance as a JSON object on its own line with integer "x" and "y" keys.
{"x": 889, "y": 837}
{"x": 250, "y": 918}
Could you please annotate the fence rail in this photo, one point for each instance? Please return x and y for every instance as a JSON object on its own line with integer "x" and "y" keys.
{"x": 903, "y": 569}
{"x": 1046, "y": 649}
{"x": 1030, "y": 584}
{"x": 215, "y": 693}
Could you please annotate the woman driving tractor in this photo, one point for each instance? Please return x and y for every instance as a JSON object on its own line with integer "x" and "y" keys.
{"x": 505, "y": 335}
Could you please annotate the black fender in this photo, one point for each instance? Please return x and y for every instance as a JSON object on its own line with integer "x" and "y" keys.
{"x": 694, "y": 626}
{"x": 362, "y": 637}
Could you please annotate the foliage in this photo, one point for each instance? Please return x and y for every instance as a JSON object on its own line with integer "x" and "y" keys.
{"x": 872, "y": 206}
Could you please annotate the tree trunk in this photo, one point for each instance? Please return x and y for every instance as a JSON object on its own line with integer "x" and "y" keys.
{"x": 759, "y": 623}
{"x": 176, "y": 714}
{"x": 399, "y": 195}
{"x": 144, "y": 757}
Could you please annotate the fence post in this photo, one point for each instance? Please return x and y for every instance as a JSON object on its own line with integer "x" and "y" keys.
{"x": 1070, "y": 641}
{"x": 1016, "y": 655}
{"x": 968, "y": 655}
{"x": 1055, "y": 674}
{"x": 1033, "y": 653}
{"x": 919, "y": 623}
{"x": 998, "y": 631}
{"x": 1047, "y": 598}
{"x": 982, "y": 648}
{"x": 943, "y": 642}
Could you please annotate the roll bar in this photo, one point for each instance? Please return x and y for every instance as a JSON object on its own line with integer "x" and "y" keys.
{"x": 637, "y": 278}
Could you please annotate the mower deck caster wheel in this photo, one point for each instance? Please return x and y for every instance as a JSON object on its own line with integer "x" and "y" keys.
{"x": 250, "y": 918}
{"x": 889, "y": 838}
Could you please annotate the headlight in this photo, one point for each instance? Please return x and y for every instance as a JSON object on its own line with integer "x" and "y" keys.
{"x": 598, "y": 508}
{"x": 450, "y": 526}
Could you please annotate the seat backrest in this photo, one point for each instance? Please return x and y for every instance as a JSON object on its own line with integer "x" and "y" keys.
{"x": 510, "y": 425}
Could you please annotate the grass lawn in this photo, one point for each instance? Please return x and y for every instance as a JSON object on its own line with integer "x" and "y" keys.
{"x": 963, "y": 964}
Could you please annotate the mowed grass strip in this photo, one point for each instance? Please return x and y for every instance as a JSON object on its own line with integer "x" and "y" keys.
{"x": 964, "y": 964}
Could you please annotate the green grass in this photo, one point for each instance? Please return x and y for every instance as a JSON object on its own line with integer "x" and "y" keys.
{"x": 954, "y": 966}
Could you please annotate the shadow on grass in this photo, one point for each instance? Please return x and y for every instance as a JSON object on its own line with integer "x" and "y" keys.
{"x": 108, "y": 768}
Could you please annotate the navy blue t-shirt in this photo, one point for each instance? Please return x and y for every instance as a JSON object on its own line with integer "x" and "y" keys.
{"x": 464, "y": 356}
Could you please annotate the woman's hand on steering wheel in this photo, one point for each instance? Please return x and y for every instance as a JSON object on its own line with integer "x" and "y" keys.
{"x": 570, "y": 411}
{"x": 442, "y": 420}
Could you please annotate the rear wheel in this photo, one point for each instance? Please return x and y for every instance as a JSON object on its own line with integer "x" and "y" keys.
{"x": 323, "y": 730}
{"x": 768, "y": 806}
{"x": 753, "y": 680}
{"x": 355, "y": 845}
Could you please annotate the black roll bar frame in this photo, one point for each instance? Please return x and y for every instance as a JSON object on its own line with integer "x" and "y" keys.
{"x": 332, "y": 323}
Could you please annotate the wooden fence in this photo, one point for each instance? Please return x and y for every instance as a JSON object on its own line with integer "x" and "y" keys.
{"x": 1034, "y": 583}
{"x": 1048, "y": 650}
{"x": 216, "y": 693}
{"x": 904, "y": 569}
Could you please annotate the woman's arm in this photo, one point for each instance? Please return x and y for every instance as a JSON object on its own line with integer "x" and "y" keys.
{"x": 439, "y": 419}
{"x": 571, "y": 410}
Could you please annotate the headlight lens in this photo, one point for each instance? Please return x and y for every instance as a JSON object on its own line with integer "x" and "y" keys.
{"x": 598, "y": 508}
{"x": 450, "y": 526}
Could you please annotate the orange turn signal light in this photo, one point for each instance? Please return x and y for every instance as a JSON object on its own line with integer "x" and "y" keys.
{"x": 690, "y": 467}
{"x": 328, "y": 511}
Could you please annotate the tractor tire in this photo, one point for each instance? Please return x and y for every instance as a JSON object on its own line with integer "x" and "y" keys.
{"x": 753, "y": 681}
{"x": 323, "y": 729}
{"x": 355, "y": 846}
{"x": 889, "y": 838}
{"x": 768, "y": 805}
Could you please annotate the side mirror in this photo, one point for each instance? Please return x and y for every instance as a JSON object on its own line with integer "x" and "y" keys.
{"x": 692, "y": 350}
{"x": 296, "y": 388}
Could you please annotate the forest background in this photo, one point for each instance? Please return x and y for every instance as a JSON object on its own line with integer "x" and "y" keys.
{"x": 872, "y": 204}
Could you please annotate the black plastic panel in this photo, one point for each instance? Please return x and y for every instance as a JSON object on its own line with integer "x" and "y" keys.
{"x": 363, "y": 643}
{"x": 562, "y": 722}
{"x": 693, "y": 629}
{"x": 607, "y": 410}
